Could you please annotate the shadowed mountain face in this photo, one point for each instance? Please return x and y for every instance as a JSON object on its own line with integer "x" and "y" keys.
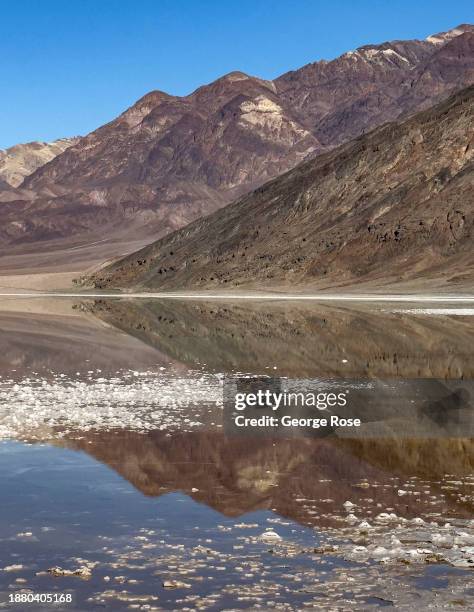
{"x": 393, "y": 205}
{"x": 168, "y": 160}
{"x": 305, "y": 480}
{"x": 299, "y": 339}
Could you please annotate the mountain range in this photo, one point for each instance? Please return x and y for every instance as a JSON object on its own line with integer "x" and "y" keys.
{"x": 393, "y": 205}
{"x": 169, "y": 160}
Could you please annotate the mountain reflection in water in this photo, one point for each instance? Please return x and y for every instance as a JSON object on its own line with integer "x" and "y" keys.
{"x": 235, "y": 476}
{"x": 136, "y": 477}
{"x": 299, "y": 339}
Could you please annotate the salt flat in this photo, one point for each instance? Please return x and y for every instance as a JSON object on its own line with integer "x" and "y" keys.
{"x": 460, "y": 312}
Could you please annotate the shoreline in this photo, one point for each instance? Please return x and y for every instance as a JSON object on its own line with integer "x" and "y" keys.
{"x": 322, "y": 297}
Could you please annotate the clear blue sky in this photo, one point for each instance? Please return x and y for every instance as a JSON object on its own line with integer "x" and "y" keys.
{"x": 68, "y": 66}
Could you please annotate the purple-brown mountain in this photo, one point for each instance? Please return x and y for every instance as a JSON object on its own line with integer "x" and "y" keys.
{"x": 169, "y": 160}
{"x": 396, "y": 204}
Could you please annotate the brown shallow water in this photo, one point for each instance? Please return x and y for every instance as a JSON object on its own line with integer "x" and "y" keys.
{"x": 114, "y": 459}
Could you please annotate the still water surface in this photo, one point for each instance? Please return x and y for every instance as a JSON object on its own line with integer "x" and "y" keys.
{"x": 115, "y": 462}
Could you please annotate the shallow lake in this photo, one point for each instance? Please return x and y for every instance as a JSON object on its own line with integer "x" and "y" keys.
{"x": 121, "y": 485}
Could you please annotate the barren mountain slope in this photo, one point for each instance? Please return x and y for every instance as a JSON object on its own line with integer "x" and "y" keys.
{"x": 19, "y": 161}
{"x": 342, "y": 99}
{"x": 167, "y": 160}
{"x": 392, "y": 205}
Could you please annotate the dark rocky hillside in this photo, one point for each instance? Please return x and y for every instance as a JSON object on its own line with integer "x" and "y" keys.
{"x": 393, "y": 205}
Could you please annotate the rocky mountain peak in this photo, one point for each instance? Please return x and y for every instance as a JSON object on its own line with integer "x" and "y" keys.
{"x": 443, "y": 37}
{"x": 21, "y": 160}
